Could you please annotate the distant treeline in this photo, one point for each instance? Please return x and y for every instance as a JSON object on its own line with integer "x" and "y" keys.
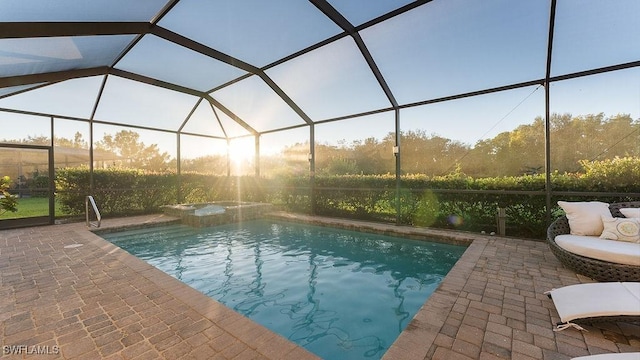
{"x": 512, "y": 153}
{"x": 517, "y": 152}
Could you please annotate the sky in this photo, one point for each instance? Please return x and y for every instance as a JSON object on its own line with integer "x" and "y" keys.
{"x": 443, "y": 48}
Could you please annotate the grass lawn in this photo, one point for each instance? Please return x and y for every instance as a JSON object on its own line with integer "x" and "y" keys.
{"x": 30, "y": 207}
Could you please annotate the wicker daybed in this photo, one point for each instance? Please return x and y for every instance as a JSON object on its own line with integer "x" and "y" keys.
{"x": 596, "y": 269}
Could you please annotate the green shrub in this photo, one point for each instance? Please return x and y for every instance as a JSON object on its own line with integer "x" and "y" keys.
{"x": 454, "y": 201}
{"x": 116, "y": 191}
{"x": 8, "y": 202}
{"x": 39, "y": 186}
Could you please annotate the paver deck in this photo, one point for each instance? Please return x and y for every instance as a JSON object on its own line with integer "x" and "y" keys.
{"x": 67, "y": 293}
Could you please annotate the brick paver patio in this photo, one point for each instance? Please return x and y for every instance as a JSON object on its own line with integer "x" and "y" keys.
{"x": 67, "y": 293}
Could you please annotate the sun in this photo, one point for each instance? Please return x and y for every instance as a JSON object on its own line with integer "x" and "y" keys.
{"x": 241, "y": 151}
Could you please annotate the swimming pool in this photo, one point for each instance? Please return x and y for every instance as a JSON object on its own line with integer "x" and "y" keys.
{"x": 338, "y": 293}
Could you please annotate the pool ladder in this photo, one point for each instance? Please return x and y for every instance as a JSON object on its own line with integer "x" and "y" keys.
{"x": 89, "y": 200}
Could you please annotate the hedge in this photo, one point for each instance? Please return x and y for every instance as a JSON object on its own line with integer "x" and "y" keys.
{"x": 454, "y": 201}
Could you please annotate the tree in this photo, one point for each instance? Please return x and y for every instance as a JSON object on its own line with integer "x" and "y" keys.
{"x": 291, "y": 161}
{"x": 372, "y": 156}
{"x": 135, "y": 153}
{"x": 210, "y": 164}
{"x": 509, "y": 153}
{"x": 429, "y": 154}
{"x": 591, "y": 137}
{"x": 78, "y": 142}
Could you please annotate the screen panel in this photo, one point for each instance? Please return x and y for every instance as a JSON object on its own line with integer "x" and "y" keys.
{"x": 499, "y": 134}
{"x": 257, "y": 104}
{"x": 453, "y": 47}
{"x": 71, "y": 145}
{"x": 594, "y": 33}
{"x": 332, "y": 81}
{"x": 594, "y": 119}
{"x": 204, "y": 121}
{"x": 356, "y": 146}
{"x": 360, "y": 11}
{"x": 137, "y": 148}
{"x": 242, "y": 157}
{"x": 131, "y": 102}
{"x": 72, "y": 10}
{"x": 255, "y": 31}
{"x": 285, "y": 153}
{"x": 25, "y": 129}
{"x": 75, "y": 98}
{"x": 50, "y": 54}
{"x": 163, "y": 60}
{"x": 203, "y": 155}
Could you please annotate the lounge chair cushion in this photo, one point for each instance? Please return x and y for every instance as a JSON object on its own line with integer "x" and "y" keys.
{"x": 619, "y": 252}
{"x": 631, "y": 212}
{"x": 584, "y": 301}
{"x": 621, "y": 229}
{"x": 585, "y": 218}
{"x": 614, "y": 356}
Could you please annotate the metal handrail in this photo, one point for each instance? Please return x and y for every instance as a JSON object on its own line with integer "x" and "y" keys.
{"x": 89, "y": 199}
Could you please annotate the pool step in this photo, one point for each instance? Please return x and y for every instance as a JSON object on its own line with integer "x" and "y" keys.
{"x": 153, "y": 234}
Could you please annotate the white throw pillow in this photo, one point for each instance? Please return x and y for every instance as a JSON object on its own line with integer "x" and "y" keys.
{"x": 585, "y": 218}
{"x": 631, "y": 212}
{"x": 622, "y": 229}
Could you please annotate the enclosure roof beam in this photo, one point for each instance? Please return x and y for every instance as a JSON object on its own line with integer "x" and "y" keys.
{"x": 285, "y": 97}
{"x": 17, "y": 30}
{"x": 230, "y": 60}
{"x": 202, "y": 49}
{"x": 230, "y": 114}
{"x": 155, "y": 82}
{"x": 52, "y": 76}
{"x": 53, "y": 29}
{"x": 343, "y": 23}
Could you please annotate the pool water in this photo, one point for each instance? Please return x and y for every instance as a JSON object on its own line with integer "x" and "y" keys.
{"x": 339, "y": 294}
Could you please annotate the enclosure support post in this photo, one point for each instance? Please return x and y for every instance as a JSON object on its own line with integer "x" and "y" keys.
{"x": 256, "y": 157}
{"x": 178, "y": 170}
{"x": 228, "y": 158}
{"x": 396, "y": 152}
{"x": 312, "y": 168}
{"x": 52, "y": 174}
{"x": 547, "y": 119}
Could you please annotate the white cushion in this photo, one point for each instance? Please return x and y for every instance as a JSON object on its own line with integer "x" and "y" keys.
{"x": 621, "y": 229}
{"x": 631, "y": 212}
{"x": 585, "y": 218}
{"x": 619, "y": 252}
{"x": 583, "y": 301}
{"x": 612, "y": 356}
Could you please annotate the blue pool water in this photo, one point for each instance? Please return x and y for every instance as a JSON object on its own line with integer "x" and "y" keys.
{"x": 340, "y": 294}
